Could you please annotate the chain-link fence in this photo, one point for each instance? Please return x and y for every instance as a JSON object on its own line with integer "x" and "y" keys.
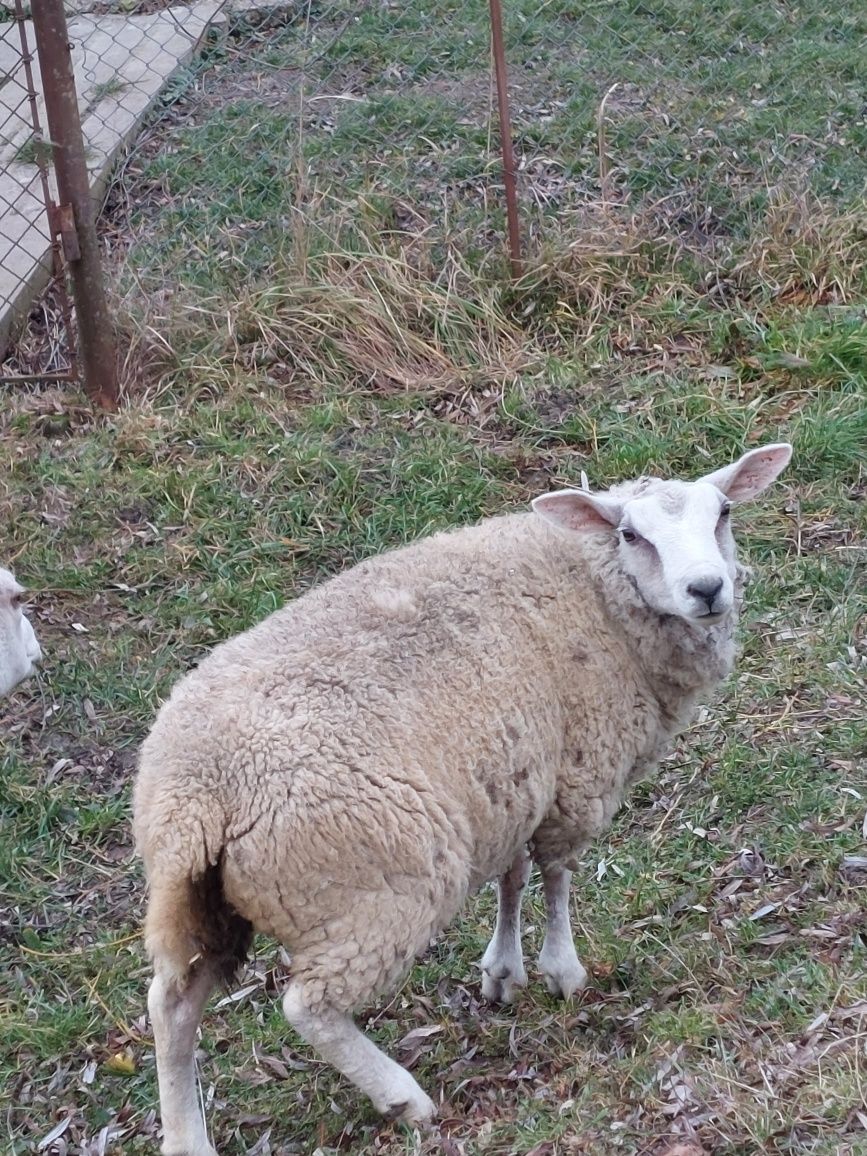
{"x": 60, "y": 141}
{"x": 385, "y": 114}
{"x": 709, "y": 104}
{"x": 28, "y": 257}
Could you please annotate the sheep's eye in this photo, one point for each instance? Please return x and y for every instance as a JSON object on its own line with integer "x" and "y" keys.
{"x": 726, "y": 510}
{"x": 17, "y": 599}
{"x": 629, "y": 536}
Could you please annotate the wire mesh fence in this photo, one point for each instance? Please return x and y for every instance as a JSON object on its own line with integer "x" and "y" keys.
{"x": 711, "y": 104}
{"x": 383, "y": 115}
{"x": 28, "y": 257}
{"x": 121, "y": 62}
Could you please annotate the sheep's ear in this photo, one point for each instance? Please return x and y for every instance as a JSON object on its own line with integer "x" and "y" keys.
{"x": 578, "y": 510}
{"x": 754, "y": 472}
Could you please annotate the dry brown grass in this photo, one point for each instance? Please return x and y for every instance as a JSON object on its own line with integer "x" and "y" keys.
{"x": 396, "y": 309}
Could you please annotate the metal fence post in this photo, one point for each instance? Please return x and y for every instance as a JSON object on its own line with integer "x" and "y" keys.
{"x": 74, "y": 214}
{"x": 506, "y": 137}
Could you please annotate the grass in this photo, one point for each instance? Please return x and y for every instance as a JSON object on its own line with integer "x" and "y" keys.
{"x": 324, "y": 359}
{"x": 106, "y": 89}
{"x": 34, "y": 151}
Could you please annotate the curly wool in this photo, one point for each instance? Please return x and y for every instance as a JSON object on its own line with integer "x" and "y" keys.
{"x": 344, "y": 774}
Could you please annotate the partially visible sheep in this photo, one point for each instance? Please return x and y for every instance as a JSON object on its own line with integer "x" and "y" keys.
{"x": 19, "y": 650}
{"x": 343, "y": 775}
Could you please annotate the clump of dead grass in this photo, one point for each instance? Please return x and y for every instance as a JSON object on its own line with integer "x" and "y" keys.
{"x": 352, "y": 304}
{"x": 45, "y": 345}
{"x": 608, "y": 260}
{"x": 804, "y": 252}
{"x": 365, "y": 312}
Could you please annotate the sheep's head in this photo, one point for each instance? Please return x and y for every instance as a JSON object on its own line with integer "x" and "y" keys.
{"x": 674, "y": 538}
{"x": 19, "y": 650}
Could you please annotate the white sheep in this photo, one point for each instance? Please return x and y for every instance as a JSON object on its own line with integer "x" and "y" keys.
{"x": 344, "y": 774}
{"x": 19, "y": 650}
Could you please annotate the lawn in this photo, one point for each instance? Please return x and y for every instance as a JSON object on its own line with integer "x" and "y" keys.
{"x": 325, "y": 358}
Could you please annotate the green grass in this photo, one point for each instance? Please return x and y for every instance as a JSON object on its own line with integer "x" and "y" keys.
{"x": 106, "y": 88}
{"x": 324, "y": 359}
{"x": 33, "y": 152}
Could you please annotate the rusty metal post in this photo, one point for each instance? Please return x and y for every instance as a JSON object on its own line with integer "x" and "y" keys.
{"x": 81, "y": 247}
{"x": 506, "y": 137}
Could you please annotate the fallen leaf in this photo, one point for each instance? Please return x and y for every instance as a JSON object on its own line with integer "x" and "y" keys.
{"x": 237, "y": 996}
{"x": 55, "y": 1133}
{"x": 419, "y": 1034}
{"x": 120, "y": 1064}
{"x": 764, "y": 910}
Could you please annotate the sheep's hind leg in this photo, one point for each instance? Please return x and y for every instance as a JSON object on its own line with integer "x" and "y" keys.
{"x": 333, "y": 1034}
{"x": 503, "y": 973}
{"x": 558, "y": 960}
{"x": 176, "y": 1012}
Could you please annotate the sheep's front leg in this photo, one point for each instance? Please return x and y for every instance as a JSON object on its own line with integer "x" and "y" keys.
{"x": 558, "y": 960}
{"x": 503, "y": 971}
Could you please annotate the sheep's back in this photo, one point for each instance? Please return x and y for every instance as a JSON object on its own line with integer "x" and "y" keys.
{"x": 419, "y": 678}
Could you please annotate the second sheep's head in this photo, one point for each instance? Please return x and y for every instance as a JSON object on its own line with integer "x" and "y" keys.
{"x": 19, "y": 650}
{"x": 674, "y": 538}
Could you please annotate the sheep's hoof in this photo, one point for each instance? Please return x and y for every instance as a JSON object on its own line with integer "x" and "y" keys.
{"x": 563, "y": 977}
{"x": 419, "y": 1110}
{"x": 502, "y": 985}
{"x": 209, "y": 1151}
{"x": 399, "y": 1097}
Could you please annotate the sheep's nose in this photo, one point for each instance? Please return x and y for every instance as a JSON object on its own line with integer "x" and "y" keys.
{"x": 706, "y": 589}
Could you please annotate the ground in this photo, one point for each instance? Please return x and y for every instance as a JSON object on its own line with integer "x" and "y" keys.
{"x": 324, "y": 357}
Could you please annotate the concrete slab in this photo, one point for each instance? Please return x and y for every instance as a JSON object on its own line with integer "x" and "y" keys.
{"x": 121, "y": 63}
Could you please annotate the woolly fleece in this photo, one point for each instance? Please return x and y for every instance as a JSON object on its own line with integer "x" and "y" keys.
{"x": 344, "y": 774}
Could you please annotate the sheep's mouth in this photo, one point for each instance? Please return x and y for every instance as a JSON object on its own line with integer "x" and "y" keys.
{"x": 712, "y": 617}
